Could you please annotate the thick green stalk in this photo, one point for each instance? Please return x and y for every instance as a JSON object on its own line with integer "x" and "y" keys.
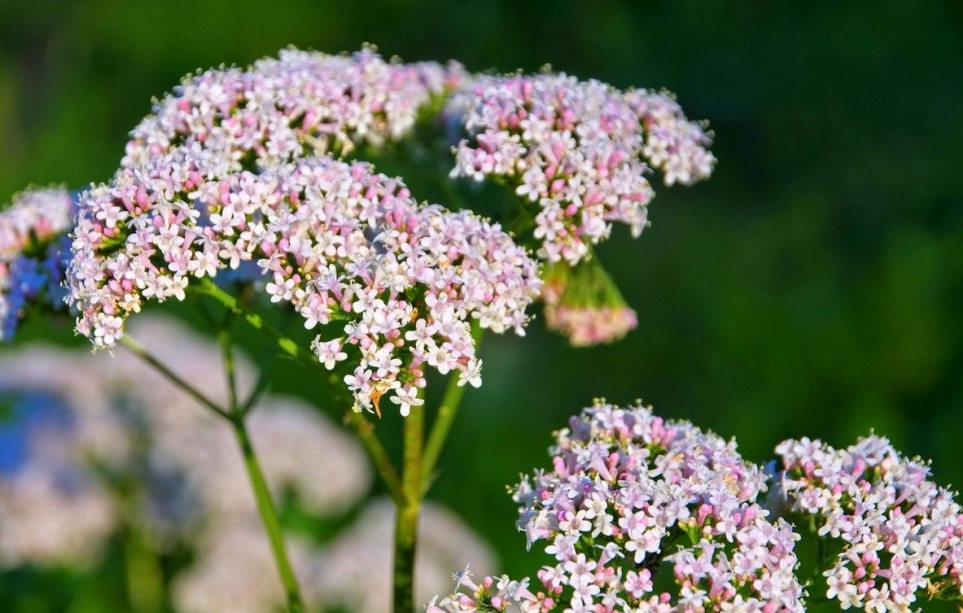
{"x": 406, "y": 520}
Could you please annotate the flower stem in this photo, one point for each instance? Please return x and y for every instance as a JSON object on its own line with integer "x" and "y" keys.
{"x": 379, "y": 457}
{"x": 139, "y": 350}
{"x": 269, "y": 516}
{"x": 284, "y": 343}
{"x": 372, "y": 445}
{"x": 262, "y": 494}
{"x": 443, "y": 421}
{"x": 406, "y": 521}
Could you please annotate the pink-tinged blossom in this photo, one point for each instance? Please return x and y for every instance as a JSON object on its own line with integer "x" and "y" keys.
{"x": 583, "y": 304}
{"x": 393, "y": 284}
{"x": 579, "y": 151}
{"x": 672, "y": 499}
{"x": 297, "y": 104}
{"x": 901, "y": 535}
{"x": 32, "y": 245}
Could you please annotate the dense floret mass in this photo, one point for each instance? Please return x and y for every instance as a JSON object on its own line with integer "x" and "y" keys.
{"x": 629, "y": 495}
{"x": 392, "y": 283}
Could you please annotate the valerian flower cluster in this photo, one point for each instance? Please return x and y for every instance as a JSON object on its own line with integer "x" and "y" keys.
{"x": 580, "y": 152}
{"x": 394, "y": 285}
{"x": 899, "y": 534}
{"x": 579, "y": 149}
{"x": 646, "y": 515}
{"x": 298, "y": 104}
{"x": 629, "y": 496}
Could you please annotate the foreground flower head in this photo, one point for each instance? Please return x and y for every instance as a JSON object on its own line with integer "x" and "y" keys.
{"x": 900, "y": 535}
{"x": 579, "y": 150}
{"x": 32, "y": 249}
{"x": 393, "y": 285}
{"x": 294, "y": 105}
{"x": 629, "y": 496}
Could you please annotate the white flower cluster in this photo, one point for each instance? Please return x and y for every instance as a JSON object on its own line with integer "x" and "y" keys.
{"x": 901, "y": 535}
{"x": 393, "y": 284}
{"x": 578, "y": 150}
{"x": 294, "y": 105}
{"x": 630, "y": 494}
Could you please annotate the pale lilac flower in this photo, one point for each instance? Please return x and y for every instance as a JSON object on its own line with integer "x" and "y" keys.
{"x": 582, "y": 303}
{"x": 577, "y": 150}
{"x": 348, "y": 249}
{"x": 901, "y": 535}
{"x": 297, "y": 104}
{"x": 32, "y": 246}
{"x": 674, "y": 144}
{"x": 671, "y": 499}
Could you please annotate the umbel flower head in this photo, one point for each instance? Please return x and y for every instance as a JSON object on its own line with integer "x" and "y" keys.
{"x": 287, "y": 107}
{"x": 630, "y": 497}
{"x": 393, "y": 285}
{"x": 32, "y": 249}
{"x": 900, "y": 535}
{"x": 577, "y": 150}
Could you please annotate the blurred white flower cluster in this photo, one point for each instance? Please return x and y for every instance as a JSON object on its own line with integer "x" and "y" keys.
{"x": 92, "y": 444}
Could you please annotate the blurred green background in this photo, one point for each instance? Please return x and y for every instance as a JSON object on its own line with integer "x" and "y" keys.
{"x": 814, "y": 286}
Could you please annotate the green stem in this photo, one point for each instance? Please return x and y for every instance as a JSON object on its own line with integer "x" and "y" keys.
{"x": 230, "y": 371}
{"x": 372, "y": 445}
{"x": 443, "y": 421}
{"x": 406, "y": 521}
{"x": 284, "y": 343}
{"x": 144, "y": 575}
{"x": 262, "y": 494}
{"x": 379, "y": 457}
{"x": 269, "y": 516}
{"x": 139, "y": 350}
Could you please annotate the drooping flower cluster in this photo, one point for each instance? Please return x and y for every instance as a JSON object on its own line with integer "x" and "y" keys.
{"x": 393, "y": 284}
{"x": 630, "y": 495}
{"x": 32, "y": 249}
{"x": 578, "y": 150}
{"x": 901, "y": 535}
{"x": 95, "y": 446}
{"x": 582, "y": 303}
{"x": 298, "y": 104}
